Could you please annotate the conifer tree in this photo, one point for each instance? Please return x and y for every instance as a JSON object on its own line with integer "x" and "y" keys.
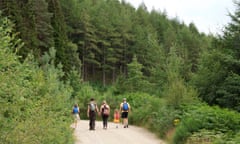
{"x": 33, "y": 22}
{"x": 135, "y": 80}
{"x": 219, "y": 69}
{"x": 40, "y": 19}
{"x": 66, "y": 50}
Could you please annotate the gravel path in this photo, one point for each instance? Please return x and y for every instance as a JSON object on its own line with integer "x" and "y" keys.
{"x": 113, "y": 135}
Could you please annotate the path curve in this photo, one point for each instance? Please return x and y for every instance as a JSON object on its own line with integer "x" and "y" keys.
{"x": 113, "y": 135}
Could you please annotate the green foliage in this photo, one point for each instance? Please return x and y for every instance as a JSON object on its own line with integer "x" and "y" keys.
{"x": 83, "y": 95}
{"x": 163, "y": 120}
{"x": 215, "y": 119}
{"x": 218, "y": 74}
{"x": 66, "y": 51}
{"x": 176, "y": 91}
{"x": 142, "y": 106}
{"x": 221, "y": 85}
{"x": 100, "y": 38}
{"x": 135, "y": 79}
{"x": 75, "y": 82}
{"x": 205, "y": 136}
{"x": 228, "y": 93}
{"x": 112, "y": 42}
{"x": 33, "y": 103}
{"x": 150, "y": 112}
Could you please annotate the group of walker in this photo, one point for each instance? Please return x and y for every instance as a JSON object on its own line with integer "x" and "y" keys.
{"x": 104, "y": 112}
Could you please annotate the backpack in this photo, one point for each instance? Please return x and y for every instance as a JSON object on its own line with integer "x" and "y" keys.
{"x": 75, "y": 110}
{"x": 125, "y": 106}
{"x": 92, "y": 107}
{"x": 105, "y": 110}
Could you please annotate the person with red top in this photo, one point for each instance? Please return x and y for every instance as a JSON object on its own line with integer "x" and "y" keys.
{"x": 116, "y": 117}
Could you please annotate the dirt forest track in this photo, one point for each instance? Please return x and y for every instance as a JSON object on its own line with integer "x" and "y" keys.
{"x": 113, "y": 135}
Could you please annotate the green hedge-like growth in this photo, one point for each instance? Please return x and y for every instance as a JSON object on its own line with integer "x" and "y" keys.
{"x": 34, "y": 102}
{"x": 213, "y": 119}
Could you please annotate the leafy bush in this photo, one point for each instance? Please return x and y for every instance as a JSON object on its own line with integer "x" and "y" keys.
{"x": 204, "y": 136}
{"x": 34, "y": 103}
{"x": 215, "y": 119}
{"x": 150, "y": 112}
{"x": 85, "y": 93}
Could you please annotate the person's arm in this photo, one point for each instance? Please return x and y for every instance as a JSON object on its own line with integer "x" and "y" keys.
{"x": 97, "y": 108}
{"x": 100, "y": 111}
{"x": 108, "y": 108}
{"x": 88, "y": 111}
{"x": 120, "y": 108}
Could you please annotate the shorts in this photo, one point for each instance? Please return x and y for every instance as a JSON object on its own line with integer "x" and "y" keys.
{"x": 124, "y": 114}
{"x": 76, "y": 117}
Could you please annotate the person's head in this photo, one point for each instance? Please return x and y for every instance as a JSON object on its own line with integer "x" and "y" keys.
{"x": 75, "y": 105}
{"x": 124, "y": 99}
{"x": 92, "y": 99}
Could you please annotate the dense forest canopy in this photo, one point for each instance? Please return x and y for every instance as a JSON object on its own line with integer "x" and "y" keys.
{"x": 100, "y": 38}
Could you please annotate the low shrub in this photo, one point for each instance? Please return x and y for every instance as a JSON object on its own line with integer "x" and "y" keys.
{"x": 214, "y": 119}
{"x": 151, "y": 112}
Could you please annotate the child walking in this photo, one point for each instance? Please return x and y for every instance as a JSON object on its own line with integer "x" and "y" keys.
{"x": 116, "y": 116}
{"x": 76, "y": 112}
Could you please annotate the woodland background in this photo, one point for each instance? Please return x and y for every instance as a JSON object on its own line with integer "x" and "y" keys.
{"x": 54, "y": 53}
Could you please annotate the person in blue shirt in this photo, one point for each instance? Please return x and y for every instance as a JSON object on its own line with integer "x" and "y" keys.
{"x": 76, "y": 112}
{"x": 125, "y": 109}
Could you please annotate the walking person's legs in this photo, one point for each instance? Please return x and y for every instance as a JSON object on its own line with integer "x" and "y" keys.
{"x": 75, "y": 120}
{"x": 92, "y": 120}
{"x": 105, "y": 118}
{"x": 90, "y": 123}
{"x": 106, "y": 121}
{"x": 125, "y": 119}
{"x": 124, "y": 122}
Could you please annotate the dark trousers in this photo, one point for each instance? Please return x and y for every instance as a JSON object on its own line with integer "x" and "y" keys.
{"x": 105, "y": 120}
{"x": 92, "y": 117}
